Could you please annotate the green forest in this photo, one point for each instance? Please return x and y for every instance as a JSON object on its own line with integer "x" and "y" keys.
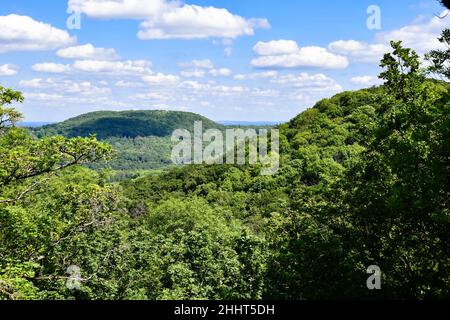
{"x": 364, "y": 180}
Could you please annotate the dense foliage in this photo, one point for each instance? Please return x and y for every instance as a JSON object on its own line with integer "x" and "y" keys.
{"x": 364, "y": 180}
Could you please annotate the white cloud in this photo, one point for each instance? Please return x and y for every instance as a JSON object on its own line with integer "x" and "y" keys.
{"x": 42, "y": 96}
{"x": 103, "y": 67}
{"x": 74, "y": 102}
{"x": 222, "y": 72}
{"x": 88, "y": 52}
{"x": 276, "y": 47}
{"x": 197, "y": 73}
{"x": 257, "y": 75}
{"x": 128, "y": 67}
{"x": 361, "y": 51}
{"x": 8, "y": 70}
{"x": 366, "y": 80}
{"x": 161, "y": 79}
{"x": 129, "y": 84}
{"x": 171, "y": 19}
{"x": 420, "y": 35}
{"x": 200, "y": 64}
{"x": 309, "y": 82}
{"x": 150, "y": 96}
{"x": 227, "y": 90}
{"x": 196, "y": 22}
{"x": 22, "y": 33}
{"x": 199, "y": 68}
{"x": 120, "y": 9}
{"x": 227, "y": 52}
{"x": 58, "y": 86}
{"x": 83, "y": 87}
{"x": 194, "y": 85}
{"x": 50, "y": 67}
{"x": 33, "y": 83}
{"x": 213, "y": 89}
{"x": 227, "y": 42}
{"x": 281, "y": 54}
{"x": 269, "y": 93}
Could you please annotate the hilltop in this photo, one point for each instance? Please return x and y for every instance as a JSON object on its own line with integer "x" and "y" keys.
{"x": 126, "y": 124}
{"x": 140, "y": 138}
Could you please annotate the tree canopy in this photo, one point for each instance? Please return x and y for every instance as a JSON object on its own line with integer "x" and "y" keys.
{"x": 364, "y": 180}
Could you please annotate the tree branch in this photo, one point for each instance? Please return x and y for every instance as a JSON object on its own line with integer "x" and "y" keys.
{"x": 23, "y": 193}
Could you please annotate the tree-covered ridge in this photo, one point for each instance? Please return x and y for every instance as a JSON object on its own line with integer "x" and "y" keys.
{"x": 126, "y": 124}
{"x": 141, "y": 139}
{"x": 364, "y": 181}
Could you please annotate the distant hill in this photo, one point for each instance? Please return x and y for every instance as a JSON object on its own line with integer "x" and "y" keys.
{"x": 126, "y": 124}
{"x": 249, "y": 123}
{"x": 140, "y": 138}
{"x": 32, "y": 124}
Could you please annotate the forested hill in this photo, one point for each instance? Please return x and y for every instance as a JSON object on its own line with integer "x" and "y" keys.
{"x": 126, "y": 124}
{"x": 141, "y": 139}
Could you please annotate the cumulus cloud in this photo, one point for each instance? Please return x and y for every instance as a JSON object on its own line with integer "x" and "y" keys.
{"x": 40, "y": 96}
{"x": 200, "y": 68}
{"x": 194, "y": 85}
{"x": 200, "y": 64}
{"x": 50, "y": 67}
{"x": 421, "y": 36}
{"x": 33, "y": 83}
{"x": 103, "y": 67}
{"x": 59, "y": 86}
{"x": 197, "y": 73}
{"x": 257, "y": 75}
{"x": 221, "y": 72}
{"x": 227, "y": 52}
{"x": 120, "y": 9}
{"x": 195, "y": 22}
{"x": 361, "y": 51}
{"x": 88, "y": 52}
{"x": 8, "y": 70}
{"x": 116, "y": 68}
{"x": 276, "y": 47}
{"x": 221, "y": 89}
{"x": 287, "y": 54}
{"x": 268, "y": 93}
{"x": 161, "y": 79}
{"x": 128, "y": 84}
{"x": 150, "y": 96}
{"x": 310, "y": 82}
{"x": 163, "y": 19}
{"x": 22, "y": 33}
{"x": 366, "y": 80}
{"x": 213, "y": 89}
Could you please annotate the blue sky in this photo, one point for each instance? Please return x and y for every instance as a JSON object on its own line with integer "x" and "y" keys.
{"x": 242, "y": 60}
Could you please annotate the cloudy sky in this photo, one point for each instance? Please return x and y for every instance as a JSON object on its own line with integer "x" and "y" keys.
{"x": 253, "y": 60}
